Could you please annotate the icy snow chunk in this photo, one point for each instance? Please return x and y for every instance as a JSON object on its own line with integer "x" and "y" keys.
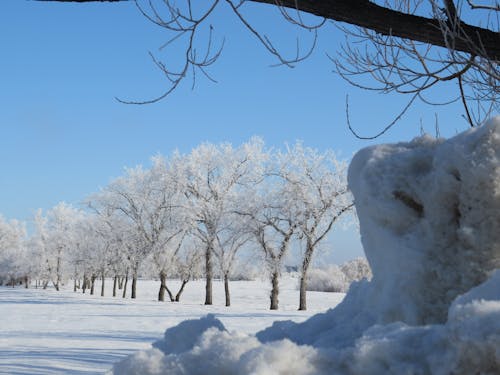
{"x": 184, "y": 336}
{"x": 429, "y": 214}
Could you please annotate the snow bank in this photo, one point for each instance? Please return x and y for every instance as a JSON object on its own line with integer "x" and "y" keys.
{"x": 429, "y": 214}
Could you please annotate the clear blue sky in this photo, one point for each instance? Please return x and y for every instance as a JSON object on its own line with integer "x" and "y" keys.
{"x": 63, "y": 134}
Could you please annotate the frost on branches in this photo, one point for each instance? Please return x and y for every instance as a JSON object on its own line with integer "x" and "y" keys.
{"x": 429, "y": 214}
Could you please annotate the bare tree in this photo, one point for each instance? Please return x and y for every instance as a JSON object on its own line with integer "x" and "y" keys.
{"x": 404, "y": 46}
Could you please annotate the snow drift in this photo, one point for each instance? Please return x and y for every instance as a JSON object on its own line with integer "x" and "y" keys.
{"x": 429, "y": 214}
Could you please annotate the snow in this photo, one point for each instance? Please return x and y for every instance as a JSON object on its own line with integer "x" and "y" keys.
{"x": 49, "y": 332}
{"x": 429, "y": 214}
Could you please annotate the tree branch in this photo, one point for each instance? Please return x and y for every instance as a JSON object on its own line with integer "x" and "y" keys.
{"x": 385, "y": 21}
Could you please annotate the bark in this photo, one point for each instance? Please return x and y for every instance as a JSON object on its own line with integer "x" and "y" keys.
{"x": 84, "y": 283}
{"x": 170, "y": 295}
{"x": 306, "y": 262}
{"x": 102, "y": 284}
{"x": 134, "y": 286}
{"x": 274, "y": 290}
{"x": 302, "y": 298}
{"x": 178, "y": 295}
{"x": 26, "y": 282}
{"x": 92, "y": 284}
{"x": 226, "y": 290}
{"x": 161, "y": 292}
{"x": 74, "y": 285}
{"x": 209, "y": 275}
{"x": 385, "y": 21}
{"x": 120, "y": 282}
{"x": 124, "y": 294}
{"x": 115, "y": 283}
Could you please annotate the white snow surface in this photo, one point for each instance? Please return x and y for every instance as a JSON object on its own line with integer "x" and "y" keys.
{"x": 429, "y": 214}
{"x": 50, "y": 332}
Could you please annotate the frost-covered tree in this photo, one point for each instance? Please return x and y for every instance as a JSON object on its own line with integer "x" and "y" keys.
{"x": 13, "y": 264}
{"x": 272, "y": 215}
{"x": 357, "y": 269}
{"x": 187, "y": 266}
{"x": 214, "y": 174}
{"x": 147, "y": 201}
{"x": 317, "y": 183}
{"x": 231, "y": 239}
{"x": 55, "y": 239}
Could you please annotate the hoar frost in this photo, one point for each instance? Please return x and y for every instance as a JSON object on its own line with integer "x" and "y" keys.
{"x": 429, "y": 214}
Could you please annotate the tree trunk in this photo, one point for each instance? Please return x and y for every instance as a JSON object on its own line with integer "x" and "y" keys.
{"x": 120, "y": 282}
{"x": 178, "y": 295}
{"x": 302, "y": 297}
{"x": 84, "y": 283}
{"x": 209, "y": 275}
{"x": 124, "y": 294}
{"x": 74, "y": 285}
{"x": 306, "y": 262}
{"x": 26, "y": 282}
{"x": 92, "y": 284}
{"x": 161, "y": 292}
{"x": 170, "y": 295}
{"x": 115, "y": 283}
{"x": 274, "y": 290}
{"x": 102, "y": 284}
{"x": 134, "y": 286}
{"x": 226, "y": 289}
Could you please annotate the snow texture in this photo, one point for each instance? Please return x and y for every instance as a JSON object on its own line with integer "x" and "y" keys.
{"x": 429, "y": 214}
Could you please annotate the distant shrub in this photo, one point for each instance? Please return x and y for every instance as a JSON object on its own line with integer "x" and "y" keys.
{"x": 337, "y": 279}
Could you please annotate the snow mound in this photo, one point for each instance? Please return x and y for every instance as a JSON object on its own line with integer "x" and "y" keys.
{"x": 429, "y": 214}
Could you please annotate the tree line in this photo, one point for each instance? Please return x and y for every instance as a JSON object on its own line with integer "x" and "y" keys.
{"x": 187, "y": 216}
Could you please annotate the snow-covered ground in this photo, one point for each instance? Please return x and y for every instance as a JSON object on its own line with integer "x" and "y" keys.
{"x": 49, "y": 332}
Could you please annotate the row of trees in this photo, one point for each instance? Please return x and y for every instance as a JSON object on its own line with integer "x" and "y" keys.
{"x": 188, "y": 215}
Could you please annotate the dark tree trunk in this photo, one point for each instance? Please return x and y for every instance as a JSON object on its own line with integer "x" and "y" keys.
{"x": 26, "y": 282}
{"x": 178, "y": 295}
{"x": 92, "y": 284}
{"x": 170, "y": 295}
{"x": 74, "y": 285}
{"x": 120, "y": 282}
{"x": 161, "y": 292}
{"x": 124, "y": 294}
{"x": 209, "y": 275}
{"x": 84, "y": 283}
{"x": 306, "y": 262}
{"x": 134, "y": 286}
{"x": 274, "y": 290}
{"x": 302, "y": 297}
{"x": 226, "y": 290}
{"x": 45, "y": 284}
{"x": 102, "y": 284}
{"x": 115, "y": 283}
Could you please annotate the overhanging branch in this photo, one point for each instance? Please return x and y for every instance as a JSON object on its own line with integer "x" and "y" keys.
{"x": 385, "y": 21}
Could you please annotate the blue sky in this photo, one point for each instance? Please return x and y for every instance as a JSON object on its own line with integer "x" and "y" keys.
{"x": 64, "y": 135}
